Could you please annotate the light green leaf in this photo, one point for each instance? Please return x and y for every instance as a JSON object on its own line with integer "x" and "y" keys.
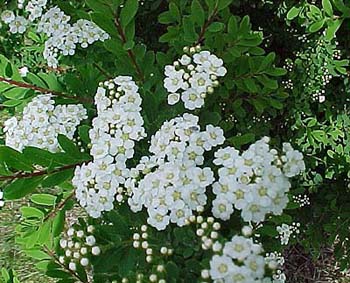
{"x": 43, "y": 199}
{"x": 128, "y": 12}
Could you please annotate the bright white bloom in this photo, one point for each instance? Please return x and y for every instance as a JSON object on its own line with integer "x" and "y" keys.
{"x": 286, "y": 231}
{"x": 221, "y": 267}
{"x": 256, "y": 181}
{"x": 7, "y": 16}
{"x": 42, "y": 122}
{"x": 192, "y": 78}
{"x": 116, "y": 128}
{"x": 171, "y": 184}
{"x": 18, "y": 25}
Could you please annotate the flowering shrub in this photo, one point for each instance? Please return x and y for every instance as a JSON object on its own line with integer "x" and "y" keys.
{"x": 125, "y": 183}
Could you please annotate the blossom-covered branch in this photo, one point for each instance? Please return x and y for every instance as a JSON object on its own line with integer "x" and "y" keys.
{"x": 43, "y": 90}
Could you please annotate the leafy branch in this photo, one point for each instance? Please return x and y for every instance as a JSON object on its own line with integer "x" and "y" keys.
{"x": 39, "y": 173}
{"x": 43, "y": 90}
{"x": 131, "y": 54}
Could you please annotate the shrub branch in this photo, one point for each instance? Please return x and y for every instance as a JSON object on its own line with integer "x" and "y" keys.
{"x": 43, "y": 90}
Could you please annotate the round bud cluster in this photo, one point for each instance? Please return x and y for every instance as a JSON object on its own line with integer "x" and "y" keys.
{"x": 288, "y": 84}
{"x": 140, "y": 241}
{"x": 207, "y": 230}
{"x": 63, "y": 37}
{"x": 274, "y": 260}
{"x": 287, "y": 231}
{"x": 78, "y": 246}
{"x": 115, "y": 129}
{"x": 192, "y": 77}
{"x": 239, "y": 259}
{"x": 256, "y": 181}
{"x": 288, "y": 65}
{"x": 42, "y": 122}
{"x": 302, "y": 200}
{"x": 2, "y": 202}
{"x": 174, "y": 185}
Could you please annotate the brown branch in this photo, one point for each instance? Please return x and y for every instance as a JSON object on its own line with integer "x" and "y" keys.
{"x": 206, "y": 25}
{"x": 38, "y": 173}
{"x": 56, "y": 259}
{"x": 131, "y": 54}
{"x": 59, "y": 207}
{"x": 43, "y": 90}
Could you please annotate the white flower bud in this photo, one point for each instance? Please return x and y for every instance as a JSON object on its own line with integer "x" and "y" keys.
{"x": 84, "y": 261}
{"x": 96, "y": 250}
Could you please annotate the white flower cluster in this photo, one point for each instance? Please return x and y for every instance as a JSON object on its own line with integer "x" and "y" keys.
{"x": 239, "y": 260}
{"x": 192, "y": 77}
{"x": 63, "y": 37}
{"x": 78, "y": 246}
{"x": 174, "y": 184}
{"x": 255, "y": 182}
{"x": 42, "y": 122}
{"x": 115, "y": 129}
{"x": 286, "y": 231}
{"x": 2, "y": 203}
{"x": 275, "y": 261}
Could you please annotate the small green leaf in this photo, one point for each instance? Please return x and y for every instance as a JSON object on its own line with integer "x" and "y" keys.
{"x": 327, "y": 6}
{"x": 31, "y": 212}
{"x": 14, "y": 159}
{"x": 12, "y": 103}
{"x": 293, "y": 13}
{"x": 316, "y": 26}
{"x": 223, "y": 4}
{"x": 128, "y": 12}
{"x": 43, "y": 199}
{"x": 216, "y": 27}
{"x": 197, "y": 12}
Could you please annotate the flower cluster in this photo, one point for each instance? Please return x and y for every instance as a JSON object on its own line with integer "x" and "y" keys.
{"x": 192, "y": 77}
{"x": 239, "y": 260}
{"x": 174, "y": 184}
{"x": 256, "y": 181}
{"x": 115, "y": 129}
{"x": 78, "y": 245}
{"x": 275, "y": 261}
{"x": 63, "y": 37}
{"x": 42, "y": 122}
{"x": 286, "y": 231}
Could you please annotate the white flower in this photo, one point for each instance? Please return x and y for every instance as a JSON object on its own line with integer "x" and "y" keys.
{"x": 238, "y": 248}
{"x": 18, "y": 25}
{"x": 7, "y": 16}
{"x": 220, "y": 267}
{"x": 222, "y": 208}
{"x": 192, "y": 99}
{"x": 23, "y": 71}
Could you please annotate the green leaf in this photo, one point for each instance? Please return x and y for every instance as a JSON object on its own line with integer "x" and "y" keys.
{"x": 14, "y": 159}
{"x": 216, "y": 27}
{"x": 333, "y": 26}
{"x": 197, "y": 12}
{"x": 84, "y": 133}
{"x": 238, "y": 141}
{"x": 327, "y": 6}
{"x": 223, "y": 4}
{"x": 43, "y": 199}
{"x": 128, "y": 12}
{"x": 31, "y": 212}
{"x": 12, "y": 103}
{"x": 173, "y": 271}
{"x": 22, "y": 187}
{"x": 37, "y": 254}
{"x": 68, "y": 146}
{"x": 57, "y": 178}
{"x": 293, "y": 13}
{"x": 316, "y": 26}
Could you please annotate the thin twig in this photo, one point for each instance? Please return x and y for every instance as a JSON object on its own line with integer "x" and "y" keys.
{"x": 39, "y": 173}
{"x": 59, "y": 207}
{"x": 206, "y": 25}
{"x": 43, "y": 90}
{"x": 56, "y": 259}
{"x": 130, "y": 52}
{"x": 102, "y": 71}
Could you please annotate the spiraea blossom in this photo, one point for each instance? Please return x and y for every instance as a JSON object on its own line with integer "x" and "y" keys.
{"x": 239, "y": 260}
{"x": 42, "y": 122}
{"x": 192, "y": 77}
{"x": 62, "y": 36}
{"x": 256, "y": 181}
{"x": 116, "y": 128}
{"x": 174, "y": 180}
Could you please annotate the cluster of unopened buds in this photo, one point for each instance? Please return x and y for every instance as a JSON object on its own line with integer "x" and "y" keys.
{"x": 207, "y": 230}
{"x": 302, "y": 200}
{"x": 192, "y": 77}
{"x": 78, "y": 245}
{"x": 287, "y": 231}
